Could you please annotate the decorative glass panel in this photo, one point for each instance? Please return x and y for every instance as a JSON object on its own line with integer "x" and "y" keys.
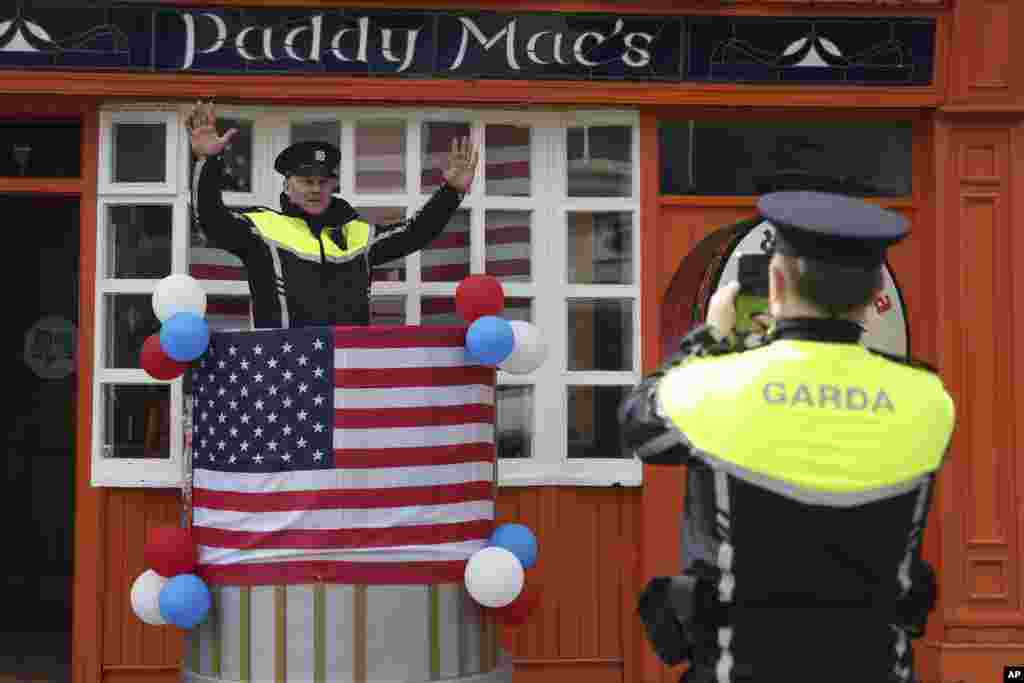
{"x": 140, "y": 153}
{"x": 380, "y": 157}
{"x": 446, "y": 259}
{"x": 600, "y": 334}
{"x": 137, "y": 421}
{"x": 439, "y": 310}
{"x": 515, "y": 421}
{"x": 392, "y": 271}
{"x": 207, "y": 262}
{"x": 41, "y": 149}
{"x": 594, "y": 430}
{"x": 435, "y": 146}
{"x": 507, "y": 235}
{"x": 387, "y": 310}
{"x": 130, "y": 320}
{"x": 863, "y": 158}
{"x": 139, "y": 241}
{"x": 508, "y": 160}
{"x": 778, "y": 50}
{"x": 600, "y": 247}
{"x": 317, "y": 131}
{"x": 600, "y": 161}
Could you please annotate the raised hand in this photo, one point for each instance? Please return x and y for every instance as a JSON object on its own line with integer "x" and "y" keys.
{"x": 462, "y": 162}
{"x": 202, "y": 128}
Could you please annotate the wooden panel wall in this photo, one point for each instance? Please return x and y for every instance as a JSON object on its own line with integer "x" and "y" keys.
{"x": 586, "y": 567}
{"x": 982, "y": 311}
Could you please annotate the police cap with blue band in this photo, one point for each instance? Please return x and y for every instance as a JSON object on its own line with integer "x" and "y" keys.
{"x": 832, "y": 228}
{"x": 308, "y": 158}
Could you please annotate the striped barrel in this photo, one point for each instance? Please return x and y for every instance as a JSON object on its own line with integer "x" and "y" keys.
{"x": 333, "y": 633}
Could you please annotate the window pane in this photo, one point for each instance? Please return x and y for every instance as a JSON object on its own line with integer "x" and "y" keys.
{"x": 140, "y": 244}
{"x": 593, "y": 422}
{"x": 237, "y": 155}
{"x": 136, "y": 421}
{"x": 446, "y": 259}
{"x": 317, "y": 131}
{"x": 207, "y": 262}
{"x": 435, "y": 145}
{"x": 225, "y": 313}
{"x": 387, "y": 310}
{"x": 129, "y": 321}
{"x": 43, "y": 149}
{"x": 518, "y": 309}
{"x": 515, "y": 421}
{"x": 140, "y": 153}
{"x": 508, "y": 160}
{"x": 507, "y": 235}
{"x": 392, "y": 271}
{"x": 380, "y": 157}
{"x": 600, "y": 249}
{"x": 440, "y": 310}
{"x": 863, "y": 158}
{"x": 601, "y": 334}
{"x": 600, "y": 161}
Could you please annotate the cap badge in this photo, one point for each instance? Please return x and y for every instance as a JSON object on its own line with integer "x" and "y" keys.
{"x": 321, "y": 155}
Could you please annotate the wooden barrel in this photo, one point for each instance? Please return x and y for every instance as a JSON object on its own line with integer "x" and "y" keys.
{"x": 334, "y": 633}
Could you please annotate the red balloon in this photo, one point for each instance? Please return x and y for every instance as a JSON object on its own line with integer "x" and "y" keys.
{"x": 157, "y": 363}
{"x": 170, "y": 551}
{"x": 520, "y": 609}
{"x": 479, "y": 295}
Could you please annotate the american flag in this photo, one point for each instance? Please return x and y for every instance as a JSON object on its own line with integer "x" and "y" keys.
{"x": 345, "y": 454}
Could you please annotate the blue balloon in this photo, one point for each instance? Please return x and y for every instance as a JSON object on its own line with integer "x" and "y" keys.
{"x": 185, "y": 601}
{"x": 517, "y": 539}
{"x": 489, "y": 340}
{"x": 185, "y": 336}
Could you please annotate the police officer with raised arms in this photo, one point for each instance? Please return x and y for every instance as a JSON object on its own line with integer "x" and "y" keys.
{"x": 811, "y": 464}
{"x": 310, "y": 263}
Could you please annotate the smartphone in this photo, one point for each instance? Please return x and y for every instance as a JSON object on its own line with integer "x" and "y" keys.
{"x": 753, "y": 296}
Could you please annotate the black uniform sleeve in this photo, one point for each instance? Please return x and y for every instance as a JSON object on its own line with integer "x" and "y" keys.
{"x": 226, "y": 229}
{"x": 646, "y": 431}
{"x": 396, "y": 240}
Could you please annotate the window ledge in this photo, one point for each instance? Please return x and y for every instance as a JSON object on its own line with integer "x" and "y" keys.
{"x": 570, "y": 473}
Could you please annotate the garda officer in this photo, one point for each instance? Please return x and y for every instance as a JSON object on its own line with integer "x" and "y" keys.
{"x": 310, "y": 263}
{"x": 811, "y": 463}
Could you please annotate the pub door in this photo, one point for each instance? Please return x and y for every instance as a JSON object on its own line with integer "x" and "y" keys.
{"x": 40, "y": 283}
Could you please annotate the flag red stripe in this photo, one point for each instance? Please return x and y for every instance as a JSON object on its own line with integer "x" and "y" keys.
{"x": 343, "y": 499}
{"x": 450, "y": 273}
{"x": 413, "y": 377}
{"x": 510, "y": 234}
{"x": 373, "y": 573}
{"x": 508, "y": 169}
{"x": 509, "y": 267}
{"x": 304, "y": 539}
{"x": 429, "y": 416}
{"x": 450, "y": 240}
{"x": 504, "y": 135}
{"x": 210, "y": 272}
{"x": 353, "y": 458}
{"x": 409, "y": 336}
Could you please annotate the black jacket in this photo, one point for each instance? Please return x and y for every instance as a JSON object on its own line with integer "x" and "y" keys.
{"x": 291, "y": 289}
{"x": 775, "y": 588}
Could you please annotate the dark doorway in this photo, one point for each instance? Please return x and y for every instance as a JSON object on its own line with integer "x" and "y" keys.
{"x": 41, "y": 282}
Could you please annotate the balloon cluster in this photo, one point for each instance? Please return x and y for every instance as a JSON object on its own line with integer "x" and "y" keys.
{"x": 169, "y": 592}
{"x": 179, "y": 302}
{"x": 496, "y": 574}
{"x": 514, "y": 346}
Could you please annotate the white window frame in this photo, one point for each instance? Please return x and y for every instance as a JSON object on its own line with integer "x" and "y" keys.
{"x": 548, "y": 289}
{"x": 108, "y": 119}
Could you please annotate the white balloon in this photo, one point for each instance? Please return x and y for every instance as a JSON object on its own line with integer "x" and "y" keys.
{"x": 178, "y": 294}
{"x": 146, "y": 597}
{"x": 529, "y": 350}
{"x": 494, "y": 576}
